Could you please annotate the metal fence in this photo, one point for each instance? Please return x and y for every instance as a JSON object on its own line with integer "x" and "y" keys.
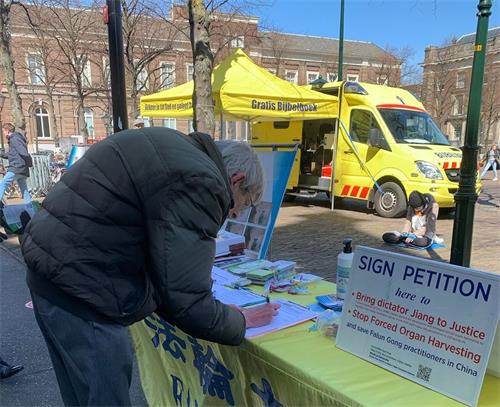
{"x": 39, "y": 182}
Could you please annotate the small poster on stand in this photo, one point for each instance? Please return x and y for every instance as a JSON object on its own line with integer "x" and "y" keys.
{"x": 257, "y": 223}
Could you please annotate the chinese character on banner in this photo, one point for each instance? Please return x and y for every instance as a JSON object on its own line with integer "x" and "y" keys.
{"x": 172, "y": 343}
{"x": 214, "y": 376}
{"x": 266, "y": 394}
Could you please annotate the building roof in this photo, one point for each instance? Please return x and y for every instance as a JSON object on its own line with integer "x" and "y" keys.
{"x": 322, "y": 45}
{"x": 470, "y": 38}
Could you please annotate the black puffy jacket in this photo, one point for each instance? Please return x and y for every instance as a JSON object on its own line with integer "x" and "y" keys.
{"x": 130, "y": 230}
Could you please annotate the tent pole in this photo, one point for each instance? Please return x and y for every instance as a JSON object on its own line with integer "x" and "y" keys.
{"x": 222, "y": 127}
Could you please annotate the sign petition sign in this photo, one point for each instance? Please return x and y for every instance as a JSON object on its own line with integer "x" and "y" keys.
{"x": 431, "y": 322}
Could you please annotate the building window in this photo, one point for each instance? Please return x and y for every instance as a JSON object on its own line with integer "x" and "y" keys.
{"x": 142, "y": 78}
{"x": 36, "y": 71}
{"x": 189, "y": 72}
{"x": 312, "y": 76}
{"x": 231, "y": 133}
{"x": 460, "y": 80}
{"x": 167, "y": 74}
{"x": 353, "y": 78}
{"x": 382, "y": 80}
{"x": 331, "y": 77}
{"x": 362, "y": 121}
{"x": 291, "y": 76}
{"x": 170, "y": 122}
{"x": 457, "y": 131}
{"x": 89, "y": 122}
{"x": 238, "y": 41}
{"x": 42, "y": 123}
{"x": 458, "y": 107}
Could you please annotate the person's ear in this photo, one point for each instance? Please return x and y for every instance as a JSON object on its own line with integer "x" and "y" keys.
{"x": 237, "y": 178}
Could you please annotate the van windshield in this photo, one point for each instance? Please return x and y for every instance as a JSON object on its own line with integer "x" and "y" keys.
{"x": 413, "y": 127}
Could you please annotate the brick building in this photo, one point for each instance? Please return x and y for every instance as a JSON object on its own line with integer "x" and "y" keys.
{"x": 62, "y": 68}
{"x": 446, "y": 84}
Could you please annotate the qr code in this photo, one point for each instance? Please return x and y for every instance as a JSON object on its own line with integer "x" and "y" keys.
{"x": 424, "y": 373}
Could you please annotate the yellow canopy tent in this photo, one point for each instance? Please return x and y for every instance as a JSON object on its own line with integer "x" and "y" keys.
{"x": 243, "y": 90}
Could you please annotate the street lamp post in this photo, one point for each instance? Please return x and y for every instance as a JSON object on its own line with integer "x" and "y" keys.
{"x": 113, "y": 18}
{"x": 466, "y": 196}
{"x": 341, "y": 41}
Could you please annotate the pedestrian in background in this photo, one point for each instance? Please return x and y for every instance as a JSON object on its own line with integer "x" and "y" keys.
{"x": 419, "y": 228}
{"x": 132, "y": 231}
{"x": 138, "y": 123}
{"x": 19, "y": 162}
{"x": 491, "y": 159}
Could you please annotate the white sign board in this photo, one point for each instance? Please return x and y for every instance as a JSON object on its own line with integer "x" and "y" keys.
{"x": 431, "y": 322}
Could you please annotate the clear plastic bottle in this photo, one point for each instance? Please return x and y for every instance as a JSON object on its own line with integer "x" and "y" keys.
{"x": 344, "y": 266}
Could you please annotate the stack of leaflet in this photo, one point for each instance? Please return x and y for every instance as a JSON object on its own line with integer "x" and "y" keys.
{"x": 261, "y": 271}
{"x": 229, "y": 243}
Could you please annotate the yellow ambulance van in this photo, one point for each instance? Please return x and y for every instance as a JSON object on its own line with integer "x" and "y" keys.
{"x": 383, "y": 145}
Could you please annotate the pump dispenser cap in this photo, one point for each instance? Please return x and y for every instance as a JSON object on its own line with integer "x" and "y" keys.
{"x": 347, "y": 245}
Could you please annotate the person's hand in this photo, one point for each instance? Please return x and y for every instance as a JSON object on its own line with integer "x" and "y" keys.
{"x": 408, "y": 240}
{"x": 259, "y": 315}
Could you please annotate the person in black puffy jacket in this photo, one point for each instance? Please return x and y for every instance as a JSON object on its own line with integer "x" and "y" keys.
{"x": 129, "y": 230}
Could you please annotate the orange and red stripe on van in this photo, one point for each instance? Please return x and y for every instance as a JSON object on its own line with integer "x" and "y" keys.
{"x": 355, "y": 191}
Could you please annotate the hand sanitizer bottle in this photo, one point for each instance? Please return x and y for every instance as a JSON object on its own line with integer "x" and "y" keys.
{"x": 344, "y": 266}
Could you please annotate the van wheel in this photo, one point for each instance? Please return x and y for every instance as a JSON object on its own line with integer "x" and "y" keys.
{"x": 392, "y": 202}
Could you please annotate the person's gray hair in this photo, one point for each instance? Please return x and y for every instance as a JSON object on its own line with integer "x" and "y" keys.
{"x": 241, "y": 157}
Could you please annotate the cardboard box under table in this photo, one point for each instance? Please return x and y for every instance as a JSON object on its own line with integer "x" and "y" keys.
{"x": 290, "y": 367}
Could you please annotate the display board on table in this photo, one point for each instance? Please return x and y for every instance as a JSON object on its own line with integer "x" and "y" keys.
{"x": 257, "y": 223}
{"x": 431, "y": 322}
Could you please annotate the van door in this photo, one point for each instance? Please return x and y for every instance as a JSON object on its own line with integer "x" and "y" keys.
{"x": 355, "y": 182}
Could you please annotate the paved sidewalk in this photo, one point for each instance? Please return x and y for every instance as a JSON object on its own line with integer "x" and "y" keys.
{"x": 309, "y": 233}
{"x": 306, "y": 231}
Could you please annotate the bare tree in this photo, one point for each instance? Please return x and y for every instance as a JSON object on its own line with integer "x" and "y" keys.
{"x": 7, "y": 63}
{"x": 439, "y": 86}
{"x": 146, "y": 38}
{"x": 276, "y": 42}
{"x": 77, "y": 33}
{"x": 203, "y": 60}
{"x": 490, "y": 106}
{"x": 47, "y": 54}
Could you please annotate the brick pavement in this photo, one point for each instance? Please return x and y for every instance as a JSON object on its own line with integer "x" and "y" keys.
{"x": 309, "y": 233}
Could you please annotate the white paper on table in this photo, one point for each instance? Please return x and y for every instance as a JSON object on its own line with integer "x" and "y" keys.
{"x": 239, "y": 297}
{"x": 289, "y": 314}
{"x": 223, "y": 277}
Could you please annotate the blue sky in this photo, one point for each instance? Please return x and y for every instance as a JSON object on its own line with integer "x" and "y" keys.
{"x": 397, "y": 23}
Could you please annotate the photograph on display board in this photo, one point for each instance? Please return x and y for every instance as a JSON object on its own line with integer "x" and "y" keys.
{"x": 260, "y": 214}
{"x": 235, "y": 227}
{"x": 253, "y": 237}
{"x": 243, "y": 216}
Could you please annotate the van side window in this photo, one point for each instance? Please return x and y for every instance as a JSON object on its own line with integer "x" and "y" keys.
{"x": 281, "y": 125}
{"x": 361, "y": 123}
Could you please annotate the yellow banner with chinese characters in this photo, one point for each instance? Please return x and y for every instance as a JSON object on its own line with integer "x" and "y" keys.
{"x": 292, "y": 367}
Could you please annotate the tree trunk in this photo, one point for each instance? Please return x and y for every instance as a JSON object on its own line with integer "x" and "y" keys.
{"x": 203, "y": 61}
{"x": 52, "y": 120}
{"x": 8, "y": 66}
{"x": 82, "y": 126}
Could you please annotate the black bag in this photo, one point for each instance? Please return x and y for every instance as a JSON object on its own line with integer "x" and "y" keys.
{"x": 28, "y": 160}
